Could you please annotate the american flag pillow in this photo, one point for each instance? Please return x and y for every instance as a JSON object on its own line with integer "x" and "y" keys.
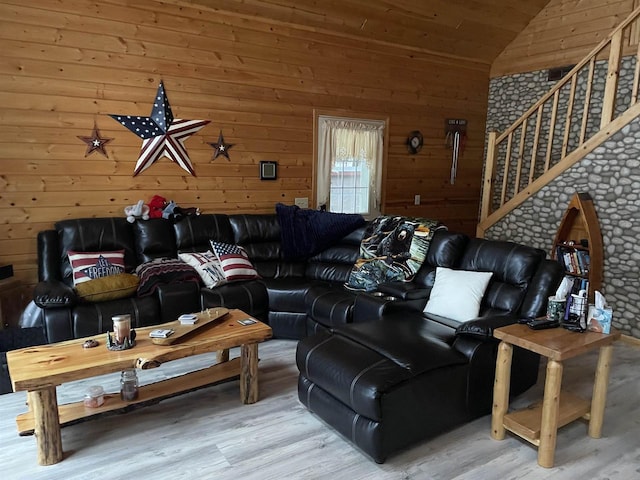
{"x": 91, "y": 265}
{"x": 235, "y": 261}
{"x": 208, "y": 267}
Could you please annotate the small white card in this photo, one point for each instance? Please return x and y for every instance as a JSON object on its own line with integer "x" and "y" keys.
{"x": 188, "y": 319}
{"x": 160, "y": 333}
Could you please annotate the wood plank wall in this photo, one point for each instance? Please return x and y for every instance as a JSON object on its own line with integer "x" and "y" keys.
{"x": 67, "y": 64}
{"x": 562, "y": 34}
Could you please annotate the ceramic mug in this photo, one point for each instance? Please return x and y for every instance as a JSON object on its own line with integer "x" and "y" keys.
{"x": 555, "y": 309}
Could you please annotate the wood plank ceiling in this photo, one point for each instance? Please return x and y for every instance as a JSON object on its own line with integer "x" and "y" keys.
{"x": 474, "y": 30}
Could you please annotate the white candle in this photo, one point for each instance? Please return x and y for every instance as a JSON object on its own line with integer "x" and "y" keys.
{"x": 121, "y": 328}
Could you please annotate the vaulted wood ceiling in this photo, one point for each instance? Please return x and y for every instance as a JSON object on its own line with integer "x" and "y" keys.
{"x": 476, "y": 30}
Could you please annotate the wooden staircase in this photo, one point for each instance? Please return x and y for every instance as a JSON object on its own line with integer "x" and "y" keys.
{"x": 567, "y": 123}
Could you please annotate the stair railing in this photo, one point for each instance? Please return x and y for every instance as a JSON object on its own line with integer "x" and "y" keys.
{"x": 568, "y": 122}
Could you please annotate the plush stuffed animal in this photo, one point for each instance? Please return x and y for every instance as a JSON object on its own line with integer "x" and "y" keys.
{"x": 169, "y": 210}
{"x": 139, "y": 210}
{"x": 173, "y": 212}
{"x": 156, "y": 206}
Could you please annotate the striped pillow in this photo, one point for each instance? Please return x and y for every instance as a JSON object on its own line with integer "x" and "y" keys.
{"x": 235, "y": 261}
{"x": 91, "y": 265}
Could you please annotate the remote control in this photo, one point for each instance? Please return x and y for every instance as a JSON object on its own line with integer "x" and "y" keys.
{"x": 543, "y": 323}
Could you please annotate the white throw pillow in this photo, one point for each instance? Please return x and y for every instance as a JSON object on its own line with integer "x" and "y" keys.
{"x": 456, "y": 294}
{"x": 208, "y": 267}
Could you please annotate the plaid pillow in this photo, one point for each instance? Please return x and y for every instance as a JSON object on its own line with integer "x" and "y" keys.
{"x": 234, "y": 261}
{"x": 91, "y": 265}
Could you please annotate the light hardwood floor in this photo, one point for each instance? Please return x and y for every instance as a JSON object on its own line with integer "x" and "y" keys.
{"x": 208, "y": 434}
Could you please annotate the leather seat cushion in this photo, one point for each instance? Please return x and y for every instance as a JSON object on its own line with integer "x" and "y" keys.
{"x": 369, "y": 378}
{"x": 287, "y": 294}
{"x": 330, "y": 306}
{"x": 249, "y": 296}
{"x": 95, "y": 318}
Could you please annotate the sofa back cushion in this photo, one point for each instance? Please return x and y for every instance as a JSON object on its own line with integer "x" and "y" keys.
{"x": 259, "y": 235}
{"x": 445, "y": 250}
{"x": 94, "y": 235}
{"x": 154, "y": 238}
{"x": 193, "y": 233}
{"x": 336, "y": 262}
{"x": 513, "y": 268}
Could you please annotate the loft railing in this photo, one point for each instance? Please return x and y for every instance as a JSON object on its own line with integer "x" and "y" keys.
{"x": 567, "y": 123}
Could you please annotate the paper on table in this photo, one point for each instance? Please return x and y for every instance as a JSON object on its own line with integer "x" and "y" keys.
{"x": 564, "y": 288}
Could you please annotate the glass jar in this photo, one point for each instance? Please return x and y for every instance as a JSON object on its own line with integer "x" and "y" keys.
{"x": 129, "y": 385}
{"x": 94, "y": 397}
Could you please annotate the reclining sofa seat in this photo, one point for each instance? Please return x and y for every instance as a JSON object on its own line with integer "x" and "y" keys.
{"x": 277, "y": 297}
{"x": 410, "y": 376}
{"x": 332, "y": 305}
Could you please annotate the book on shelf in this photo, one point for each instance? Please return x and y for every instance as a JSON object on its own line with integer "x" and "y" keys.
{"x": 577, "y": 284}
{"x": 585, "y": 260}
{"x": 573, "y": 260}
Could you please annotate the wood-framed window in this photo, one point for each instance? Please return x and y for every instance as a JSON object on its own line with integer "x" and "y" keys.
{"x": 350, "y": 153}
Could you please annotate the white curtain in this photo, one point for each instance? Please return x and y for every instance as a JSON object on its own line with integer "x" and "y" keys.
{"x": 341, "y": 139}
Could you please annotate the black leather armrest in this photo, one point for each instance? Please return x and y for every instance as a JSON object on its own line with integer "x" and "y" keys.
{"x": 404, "y": 290}
{"x": 48, "y": 256}
{"x": 482, "y": 328}
{"x": 367, "y": 308}
{"x": 54, "y": 295}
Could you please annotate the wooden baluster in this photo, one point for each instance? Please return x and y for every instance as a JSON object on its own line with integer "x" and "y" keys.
{"x": 523, "y": 135}
{"x": 611, "y": 86}
{"x": 587, "y": 100}
{"x": 636, "y": 77}
{"x": 567, "y": 123}
{"x": 536, "y": 138}
{"x": 552, "y": 129}
{"x": 488, "y": 176}
{"x": 507, "y": 161}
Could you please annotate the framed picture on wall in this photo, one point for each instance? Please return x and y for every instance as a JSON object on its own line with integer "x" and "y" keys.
{"x": 268, "y": 170}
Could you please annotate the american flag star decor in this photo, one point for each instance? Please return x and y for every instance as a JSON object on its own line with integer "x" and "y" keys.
{"x": 162, "y": 134}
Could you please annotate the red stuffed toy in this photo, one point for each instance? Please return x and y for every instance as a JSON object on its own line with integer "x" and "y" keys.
{"x": 156, "y": 206}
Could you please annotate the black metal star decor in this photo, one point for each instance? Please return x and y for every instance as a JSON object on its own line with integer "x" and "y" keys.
{"x": 221, "y": 148}
{"x": 95, "y": 143}
{"x": 162, "y": 134}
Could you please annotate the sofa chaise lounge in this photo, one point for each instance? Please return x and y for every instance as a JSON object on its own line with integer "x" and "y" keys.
{"x": 396, "y": 375}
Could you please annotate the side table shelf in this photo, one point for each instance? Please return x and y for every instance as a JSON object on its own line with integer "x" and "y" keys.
{"x": 527, "y": 422}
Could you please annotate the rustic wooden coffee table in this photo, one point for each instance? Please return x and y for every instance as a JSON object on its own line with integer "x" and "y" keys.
{"x": 38, "y": 370}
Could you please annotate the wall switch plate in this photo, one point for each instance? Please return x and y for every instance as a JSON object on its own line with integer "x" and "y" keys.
{"x": 416, "y": 200}
{"x": 302, "y": 202}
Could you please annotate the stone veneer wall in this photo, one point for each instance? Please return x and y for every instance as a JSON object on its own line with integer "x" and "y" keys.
{"x": 610, "y": 174}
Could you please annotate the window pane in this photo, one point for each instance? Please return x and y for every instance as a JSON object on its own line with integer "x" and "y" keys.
{"x": 350, "y": 187}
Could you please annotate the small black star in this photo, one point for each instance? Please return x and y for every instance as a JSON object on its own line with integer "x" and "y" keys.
{"x": 95, "y": 142}
{"x": 221, "y": 148}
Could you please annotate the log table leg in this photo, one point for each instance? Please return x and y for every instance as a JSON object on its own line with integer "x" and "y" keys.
{"x": 550, "y": 408}
{"x": 249, "y": 373}
{"x": 501, "y": 390}
{"x": 44, "y": 404}
{"x": 599, "y": 397}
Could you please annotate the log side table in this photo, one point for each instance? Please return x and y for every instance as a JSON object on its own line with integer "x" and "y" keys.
{"x": 539, "y": 424}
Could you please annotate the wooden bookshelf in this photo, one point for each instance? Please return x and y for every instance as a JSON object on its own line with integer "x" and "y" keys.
{"x": 579, "y": 234}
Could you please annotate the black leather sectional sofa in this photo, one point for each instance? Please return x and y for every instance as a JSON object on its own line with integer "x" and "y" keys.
{"x": 277, "y": 298}
{"x": 374, "y": 367}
